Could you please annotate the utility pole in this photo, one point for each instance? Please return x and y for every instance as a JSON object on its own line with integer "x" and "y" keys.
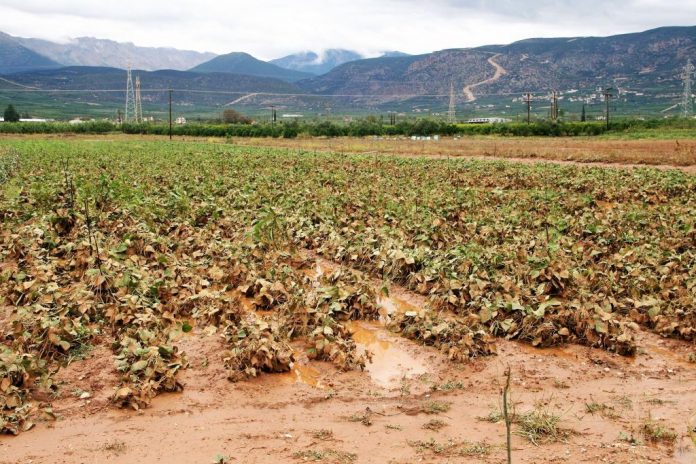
{"x": 528, "y": 101}
{"x": 687, "y": 104}
{"x": 608, "y": 94}
{"x": 170, "y": 114}
{"x": 130, "y": 97}
{"x": 452, "y": 113}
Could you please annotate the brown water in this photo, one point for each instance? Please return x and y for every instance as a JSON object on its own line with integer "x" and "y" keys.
{"x": 391, "y": 362}
{"x": 303, "y": 374}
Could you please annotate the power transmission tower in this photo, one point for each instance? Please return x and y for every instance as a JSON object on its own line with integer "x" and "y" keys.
{"x": 687, "y": 103}
{"x": 452, "y": 113}
{"x": 608, "y": 94}
{"x": 528, "y": 101}
{"x": 554, "y": 106}
{"x": 130, "y": 98}
{"x": 138, "y": 101}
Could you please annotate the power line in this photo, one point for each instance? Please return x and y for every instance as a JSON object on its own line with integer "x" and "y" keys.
{"x": 268, "y": 94}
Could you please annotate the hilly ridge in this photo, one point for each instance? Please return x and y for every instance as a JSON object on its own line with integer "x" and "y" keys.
{"x": 641, "y": 60}
{"x": 244, "y": 63}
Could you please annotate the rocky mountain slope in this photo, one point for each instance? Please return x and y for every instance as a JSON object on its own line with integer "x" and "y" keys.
{"x": 88, "y": 51}
{"x": 14, "y": 57}
{"x": 643, "y": 60}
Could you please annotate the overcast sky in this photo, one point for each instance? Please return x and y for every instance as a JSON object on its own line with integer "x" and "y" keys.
{"x": 272, "y": 28}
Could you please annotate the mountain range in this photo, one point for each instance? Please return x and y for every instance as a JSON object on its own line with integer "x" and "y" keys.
{"x": 647, "y": 63}
{"x": 643, "y": 60}
{"x": 88, "y": 51}
{"x": 23, "y": 54}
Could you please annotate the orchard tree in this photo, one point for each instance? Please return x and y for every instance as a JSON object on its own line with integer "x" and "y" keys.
{"x": 11, "y": 114}
{"x": 231, "y": 116}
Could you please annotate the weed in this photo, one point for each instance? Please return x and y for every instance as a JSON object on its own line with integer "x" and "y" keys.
{"x": 451, "y": 448}
{"x": 115, "y": 447}
{"x": 340, "y": 457}
{"x": 450, "y": 385}
{"x": 322, "y": 434}
{"x": 560, "y": 384}
{"x": 435, "y": 424}
{"x": 495, "y": 416}
{"x": 479, "y": 448}
{"x": 656, "y": 433}
{"x": 364, "y": 419}
{"x": 625, "y": 402}
{"x": 630, "y": 439}
{"x": 601, "y": 408}
{"x": 436, "y": 407}
{"x": 539, "y": 426}
{"x": 656, "y": 401}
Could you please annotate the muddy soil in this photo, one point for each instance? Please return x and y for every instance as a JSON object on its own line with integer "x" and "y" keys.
{"x": 410, "y": 405}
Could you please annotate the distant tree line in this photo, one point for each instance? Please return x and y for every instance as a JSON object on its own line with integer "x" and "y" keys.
{"x": 357, "y": 128}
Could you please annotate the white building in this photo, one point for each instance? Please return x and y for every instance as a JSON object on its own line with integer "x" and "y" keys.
{"x": 488, "y": 121}
{"x": 28, "y": 120}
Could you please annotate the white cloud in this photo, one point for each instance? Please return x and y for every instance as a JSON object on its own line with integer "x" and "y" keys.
{"x": 272, "y": 28}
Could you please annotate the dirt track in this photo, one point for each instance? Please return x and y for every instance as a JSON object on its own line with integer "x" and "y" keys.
{"x": 659, "y": 154}
{"x": 499, "y": 72}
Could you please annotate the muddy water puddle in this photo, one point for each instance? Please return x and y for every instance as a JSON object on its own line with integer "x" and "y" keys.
{"x": 303, "y": 373}
{"x": 391, "y": 363}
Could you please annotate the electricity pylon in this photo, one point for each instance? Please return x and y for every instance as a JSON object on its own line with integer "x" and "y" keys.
{"x": 452, "y": 113}
{"x": 130, "y": 99}
{"x": 138, "y": 101}
{"x": 687, "y": 103}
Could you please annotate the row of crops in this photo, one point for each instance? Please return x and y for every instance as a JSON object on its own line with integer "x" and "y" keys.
{"x": 138, "y": 244}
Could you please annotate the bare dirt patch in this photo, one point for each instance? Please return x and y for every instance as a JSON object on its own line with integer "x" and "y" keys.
{"x": 586, "y": 151}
